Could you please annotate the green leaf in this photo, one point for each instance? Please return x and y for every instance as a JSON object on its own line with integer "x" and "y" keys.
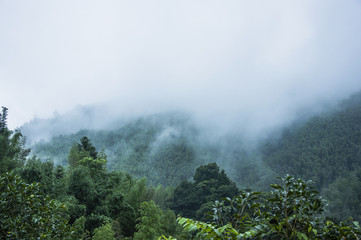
{"x": 276, "y": 186}
{"x": 302, "y": 236}
{"x": 356, "y": 223}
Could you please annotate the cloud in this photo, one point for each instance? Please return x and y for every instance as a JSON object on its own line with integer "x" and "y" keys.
{"x": 229, "y": 62}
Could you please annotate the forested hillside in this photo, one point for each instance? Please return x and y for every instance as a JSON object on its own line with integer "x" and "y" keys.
{"x": 326, "y": 149}
{"x": 164, "y": 148}
{"x": 130, "y": 182}
{"x": 167, "y": 148}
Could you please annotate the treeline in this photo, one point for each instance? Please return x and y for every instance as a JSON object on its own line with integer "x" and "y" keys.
{"x": 166, "y": 149}
{"x": 86, "y": 201}
{"x": 39, "y": 200}
{"x": 132, "y": 182}
{"x": 143, "y": 148}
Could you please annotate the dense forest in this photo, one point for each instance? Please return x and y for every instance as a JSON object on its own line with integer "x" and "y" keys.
{"x": 162, "y": 176}
{"x": 166, "y": 149}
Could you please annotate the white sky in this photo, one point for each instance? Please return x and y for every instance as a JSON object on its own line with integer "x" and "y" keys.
{"x": 259, "y": 61}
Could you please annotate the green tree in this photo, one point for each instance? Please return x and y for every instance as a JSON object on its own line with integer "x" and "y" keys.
{"x": 150, "y": 224}
{"x": 36, "y": 171}
{"x": 292, "y": 210}
{"x": 94, "y": 164}
{"x": 60, "y": 181}
{"x": 104, "y": 232}
{"x": 94, "y": 221}
{"x": 87, "y": 146}
{"x": 3, "y": 120}
{"x": 79, "y": 228}
{"x": 13, "y": 152}
{"x": 75, "y": 155}
{"x": 186, "y": 199}
{"x": 82, "y": 187}
{"x": 26, "y": 213}
{"x": 122, "y": 212}
{"x": 84, "y": 149}
{"x": 344, "y": 196}
{"x": 138, "y": 193}
{"x": 209, "y": 185}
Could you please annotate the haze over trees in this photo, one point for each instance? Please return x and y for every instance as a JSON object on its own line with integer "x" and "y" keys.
{"x": 132, "y": 182}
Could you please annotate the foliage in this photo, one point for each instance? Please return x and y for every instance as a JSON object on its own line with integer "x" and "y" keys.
{"x": 153, "y": 221}
{"x": 150, "y": 225}
{"x": 12, "y": 145}
{"x": 79, "y": 228}
{"x": 209, "y": 184}
{"x": 85, "y": 154}
{"x": 163, "y": 148}
{"x": 138, "y": 193}
{"x": 25, "y": 213}
{"x": 345, "y": 194}
{"x": 292, "y": 210}
{"x": 104, "y": 232}
{"x": 103, "y": 197}
{"x": 325, "y": 147}
{"x": 212, "y": 231}
{"x": 155, "y": 150}
{"x": 161, "y": 196}
{"x": 42, "y": 172}
{"x": 122, "y": 212}
{"x": 186, "y": 200}
{"x": 82, "y": 187}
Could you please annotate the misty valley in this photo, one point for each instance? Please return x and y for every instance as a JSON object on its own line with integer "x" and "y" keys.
{"x": 165, "y": 176}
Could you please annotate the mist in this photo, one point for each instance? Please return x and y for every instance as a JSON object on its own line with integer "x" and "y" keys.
{"x": 234, "y": 66}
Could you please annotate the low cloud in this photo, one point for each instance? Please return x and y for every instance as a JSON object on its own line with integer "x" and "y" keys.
{"x": 234, "y": 64}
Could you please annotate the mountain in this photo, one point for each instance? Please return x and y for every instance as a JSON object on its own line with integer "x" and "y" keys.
{"x": 325, "y": 147}
{"x": 165, "y": 148}
{"x": 327, "y": 150}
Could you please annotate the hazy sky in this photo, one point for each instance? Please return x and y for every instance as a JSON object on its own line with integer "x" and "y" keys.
{"x": 226, "y": 61}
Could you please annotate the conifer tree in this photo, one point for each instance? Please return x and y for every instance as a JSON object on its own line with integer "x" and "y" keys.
{"x": 13, "y": 152}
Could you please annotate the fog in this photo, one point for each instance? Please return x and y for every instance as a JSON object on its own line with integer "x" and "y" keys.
{"x": 245, "y": 65}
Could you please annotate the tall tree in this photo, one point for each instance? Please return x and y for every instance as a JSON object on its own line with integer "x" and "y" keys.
{"x": 87, "y": 146}
{"x": 209, "y": 184}
{"x": 104, "y": 232}
{"x": 150, "y": 224}
{"x": 13, "y": 152}
{"x": 3, "y": 119}
{"x": 82, "y": 150}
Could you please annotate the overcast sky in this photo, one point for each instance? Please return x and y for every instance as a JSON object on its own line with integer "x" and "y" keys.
{"x": 226, "y": 61}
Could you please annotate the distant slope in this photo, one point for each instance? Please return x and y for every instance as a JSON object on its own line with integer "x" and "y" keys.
{"x": 138, "y": 147}
{"x": 165, "y": 148}
{"x": 324, "y": 148}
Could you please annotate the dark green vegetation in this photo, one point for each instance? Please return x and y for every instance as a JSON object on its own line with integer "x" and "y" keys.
{"x": 132, "y": 181}
{"x": 164, "y": 148}
{"x": 142, "y": 148}
{"x": 12, "y": 145}
{"x": 27, "y": 213}
{"x": 327, "y": 150}
{"x": 291, "y": 210}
